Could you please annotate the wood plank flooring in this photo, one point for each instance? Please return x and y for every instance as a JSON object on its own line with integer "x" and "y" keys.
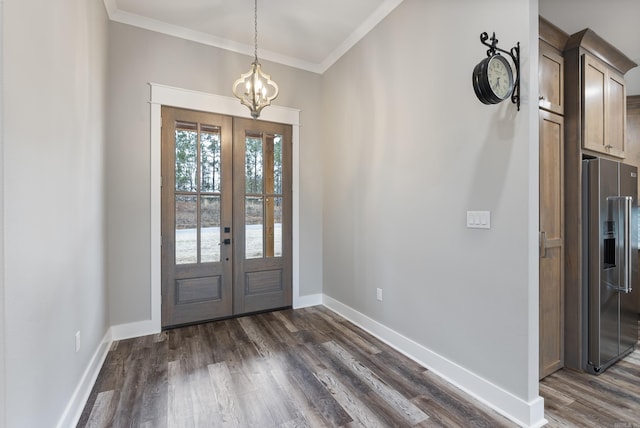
{"x": 612, "y": 399}
{"x": 312, "y": 368}
{"x": 302, "y": 368}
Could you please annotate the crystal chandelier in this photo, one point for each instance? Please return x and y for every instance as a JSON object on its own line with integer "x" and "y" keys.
{"x": 255, "y": 89}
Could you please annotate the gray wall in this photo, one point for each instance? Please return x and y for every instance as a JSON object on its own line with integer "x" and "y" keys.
{"x": 137, "y": 57}
{"x": 412, "y": 150}
{"x": 2, "y": 317}
{"x": 54, "y": 71}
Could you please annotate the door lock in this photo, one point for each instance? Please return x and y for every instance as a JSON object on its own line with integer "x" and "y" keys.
{"x": 226, "y": 241}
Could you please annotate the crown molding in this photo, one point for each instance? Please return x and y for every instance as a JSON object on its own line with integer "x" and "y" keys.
{"x": 589, "y": 40}
{"x": 117, "y": 15}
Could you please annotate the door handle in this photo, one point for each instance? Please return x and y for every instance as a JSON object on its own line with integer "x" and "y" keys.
{"x": 626, "y": 248}
{"x": 226, "y": 241}
{"x": 622, "y": 208}
{"x": 543, "y": 244}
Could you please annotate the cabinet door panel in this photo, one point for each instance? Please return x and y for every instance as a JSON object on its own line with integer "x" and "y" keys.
{"x": 551, "y": 80}
{"x": 595, "y": 75}
{"x": 604, "y": 109}
{"x": 551, "y": 287}
{"x": 616, "y": 116}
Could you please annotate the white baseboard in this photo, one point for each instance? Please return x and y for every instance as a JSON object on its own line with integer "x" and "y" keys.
{"x": 306, "y": 301}
{"x": 135, "y": 329}
{"x": 73, "y": 411}
{"x": 526, "y": 414}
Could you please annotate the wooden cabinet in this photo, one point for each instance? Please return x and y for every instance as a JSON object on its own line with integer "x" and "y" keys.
{"x": 551, "y": 173}
{"x": 604, "y": 109}
{"x": 551, "y": 79}
{"x": 551, "y": 243}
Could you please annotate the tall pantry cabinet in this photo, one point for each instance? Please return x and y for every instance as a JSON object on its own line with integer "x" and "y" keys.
{"x": 551, "y": 114}
{"x": 595, "y": 125}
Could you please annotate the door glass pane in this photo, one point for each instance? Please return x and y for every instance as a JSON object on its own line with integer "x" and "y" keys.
{"x": 210, "y": 159}
{"x": 273, "y": 161}
{"x": 253, "y": 163}
{"x": 273, "y": 235}
{"x": 210, "y": 231}
{"x": 186, "y": 155}
{"x": 253, "y": 227}
{"x": 186, "y": 229}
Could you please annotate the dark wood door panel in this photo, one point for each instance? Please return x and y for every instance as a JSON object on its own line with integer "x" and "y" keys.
{"x": 196, "y": 205}
{"x": 263, "y": 278}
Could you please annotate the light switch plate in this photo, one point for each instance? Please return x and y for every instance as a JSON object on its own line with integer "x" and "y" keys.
{"x": 479, "y": 219}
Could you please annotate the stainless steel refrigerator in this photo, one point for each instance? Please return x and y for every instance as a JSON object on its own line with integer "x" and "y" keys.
{"x": 610, "y": 261}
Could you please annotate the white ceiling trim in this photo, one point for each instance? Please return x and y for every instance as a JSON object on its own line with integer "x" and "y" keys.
{"x": 136, "y": 20}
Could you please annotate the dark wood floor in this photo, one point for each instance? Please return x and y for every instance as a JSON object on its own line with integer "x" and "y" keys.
{"x": 311, "y": 368}
{"x": 573, "y": 399}
{"x": 303, "y": 368}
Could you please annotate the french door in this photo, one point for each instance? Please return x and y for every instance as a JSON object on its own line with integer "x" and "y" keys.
{"x": 226, "y": 216}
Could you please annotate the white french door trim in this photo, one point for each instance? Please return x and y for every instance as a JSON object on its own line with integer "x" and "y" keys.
{"x": 188, "y": 99}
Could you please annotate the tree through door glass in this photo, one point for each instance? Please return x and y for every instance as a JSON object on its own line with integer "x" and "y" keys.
{"x": 263, "y": 195}
{"x": 197, "y": 193}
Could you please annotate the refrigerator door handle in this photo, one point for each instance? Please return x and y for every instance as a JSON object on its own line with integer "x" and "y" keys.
{"x": 626, "y": 271}
{"x": 623, "y": 206}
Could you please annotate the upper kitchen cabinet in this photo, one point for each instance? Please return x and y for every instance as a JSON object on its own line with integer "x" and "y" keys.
{"x": 595, "y": 95}
{"x": 551, "y": 67}
{"x": 604, "y": 108}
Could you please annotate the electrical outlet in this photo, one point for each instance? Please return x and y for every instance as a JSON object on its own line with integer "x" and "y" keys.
{"x": 77, "y": 341}
{"x": 379, "y": 294}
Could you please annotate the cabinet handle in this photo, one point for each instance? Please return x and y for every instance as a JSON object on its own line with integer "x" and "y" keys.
{"x": 543, "y": 244}
{"x": 608, "y": 146}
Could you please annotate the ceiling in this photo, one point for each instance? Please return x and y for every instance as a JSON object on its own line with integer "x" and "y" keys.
{"x": 312, "y": 35}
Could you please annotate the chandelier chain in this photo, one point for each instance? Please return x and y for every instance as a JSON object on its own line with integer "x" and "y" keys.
{"x": 255, "y": 27}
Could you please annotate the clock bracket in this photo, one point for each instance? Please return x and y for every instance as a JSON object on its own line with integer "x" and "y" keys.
{"x": 514, "y": 53}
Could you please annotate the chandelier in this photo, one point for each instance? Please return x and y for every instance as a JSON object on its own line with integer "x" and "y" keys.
{"x": 255, "y": 89}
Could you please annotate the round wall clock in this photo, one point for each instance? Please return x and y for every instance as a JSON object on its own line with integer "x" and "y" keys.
{"x": 493, "y": 79}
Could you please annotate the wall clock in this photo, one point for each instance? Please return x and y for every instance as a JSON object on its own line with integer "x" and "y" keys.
{"x": 494, "y": 78}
